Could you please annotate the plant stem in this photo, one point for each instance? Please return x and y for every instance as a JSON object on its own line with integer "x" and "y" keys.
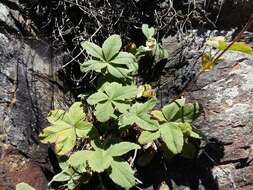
{"x": 101, "y": 181}
{"x": 237, "y": 38}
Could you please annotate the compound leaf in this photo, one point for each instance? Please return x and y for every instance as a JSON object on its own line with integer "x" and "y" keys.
{"x": 93, "y": 65}
{"x": 170, "y": 110}
{"x": 112, "y": 96}
{"x": 64, "y": 130}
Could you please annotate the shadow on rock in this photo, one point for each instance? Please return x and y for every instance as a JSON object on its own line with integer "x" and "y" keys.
{"x": 181, "y": 173}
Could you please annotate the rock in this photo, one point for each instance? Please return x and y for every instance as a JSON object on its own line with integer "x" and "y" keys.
{"x": 29, "y": 89}
{"x": 15, "y": 168}
{"x": 225, "y": 94}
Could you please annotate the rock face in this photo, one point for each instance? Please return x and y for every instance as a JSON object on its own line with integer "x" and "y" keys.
{"x": 29, "y": 88}
{"x": 225, "y": 94}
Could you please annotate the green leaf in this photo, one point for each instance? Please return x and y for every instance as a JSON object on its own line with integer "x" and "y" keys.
{"x": 173, "y": 137}
{"x": 185, "y": 128}
{"x": 123, "y": 58}
{"x": 122, "y": 92}
{"x": 104, "y": 111}
{"x": 148, "y": 32}
{"x": 191, "y": 111}
{"x": 196, "y": 135}
{"x": 121, "y": 148}
{"x": 93, "y": 65}
{"x": 110, "y": 97}
{"x": 138, "y": 114}
{"x": 24, "y": 186}
{"x": 117, "y": 72}
{"x": 64, "y": 130}
{"x": 79, "y": 158}
{"x": 99, "y": 160}
{"x": 111, "y": 46}
{"x": 220, "y": 43}
{"x": 170, "y": 110}
{"x": 93, "y": 50}
{"x": 147, "y": 137}
{"x": 55, "y": 115}
{"x": 158, "y": 115}
{"x": 97, "y": 97}
{"x": 64, "y": 175}
{"x": 122, "y": 174}
{"x": 187, "y": 113}
{"x": 121, "y": 65}
{"x": 147, "y": 106}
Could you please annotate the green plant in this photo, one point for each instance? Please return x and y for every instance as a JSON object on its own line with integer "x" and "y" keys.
{"x": 151, "y": 47}
{"x": 109, "y": 59}
{"x": 110, "y": 97}
{"x": 103, "y": 146}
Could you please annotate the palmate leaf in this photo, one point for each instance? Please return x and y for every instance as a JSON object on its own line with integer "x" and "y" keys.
{"x": 100, "y": 160}
{"x": 65, "y": 128}
{"x": 93, "y": 65}
{"x": 148, "y": 136}
{"x": 110, "y": 59}
{"x": 71, "y": 177}
{"x": 24, "y": 186}
{"x": 138, "y": 114}
{"x": 110, "y": 97}
{"x": 121, "y": 148}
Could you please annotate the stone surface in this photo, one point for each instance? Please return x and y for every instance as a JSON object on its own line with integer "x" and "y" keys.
{"x": 15, "y": 168}
{"x": 225, "y": 94}
{"x": 29, "y": 88}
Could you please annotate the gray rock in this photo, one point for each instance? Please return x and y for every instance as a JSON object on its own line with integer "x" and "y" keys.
{"x": 29, "y": 89}
{"x": 225, "y": 95}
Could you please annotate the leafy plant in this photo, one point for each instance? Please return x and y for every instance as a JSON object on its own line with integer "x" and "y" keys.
{"x": 109, "y": 59}
{"x": 88, "y": 150}
{"x": 138, "y": 114}
{"x": 112, "y": 96}
{"x": 66, "y": 127}
{"x": 151, "y": 46}
{"x": 173, "y": 128}
{"x": 101, "y": 159}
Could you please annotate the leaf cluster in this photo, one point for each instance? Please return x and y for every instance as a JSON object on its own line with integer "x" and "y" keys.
{"x": 98, "y": 147}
